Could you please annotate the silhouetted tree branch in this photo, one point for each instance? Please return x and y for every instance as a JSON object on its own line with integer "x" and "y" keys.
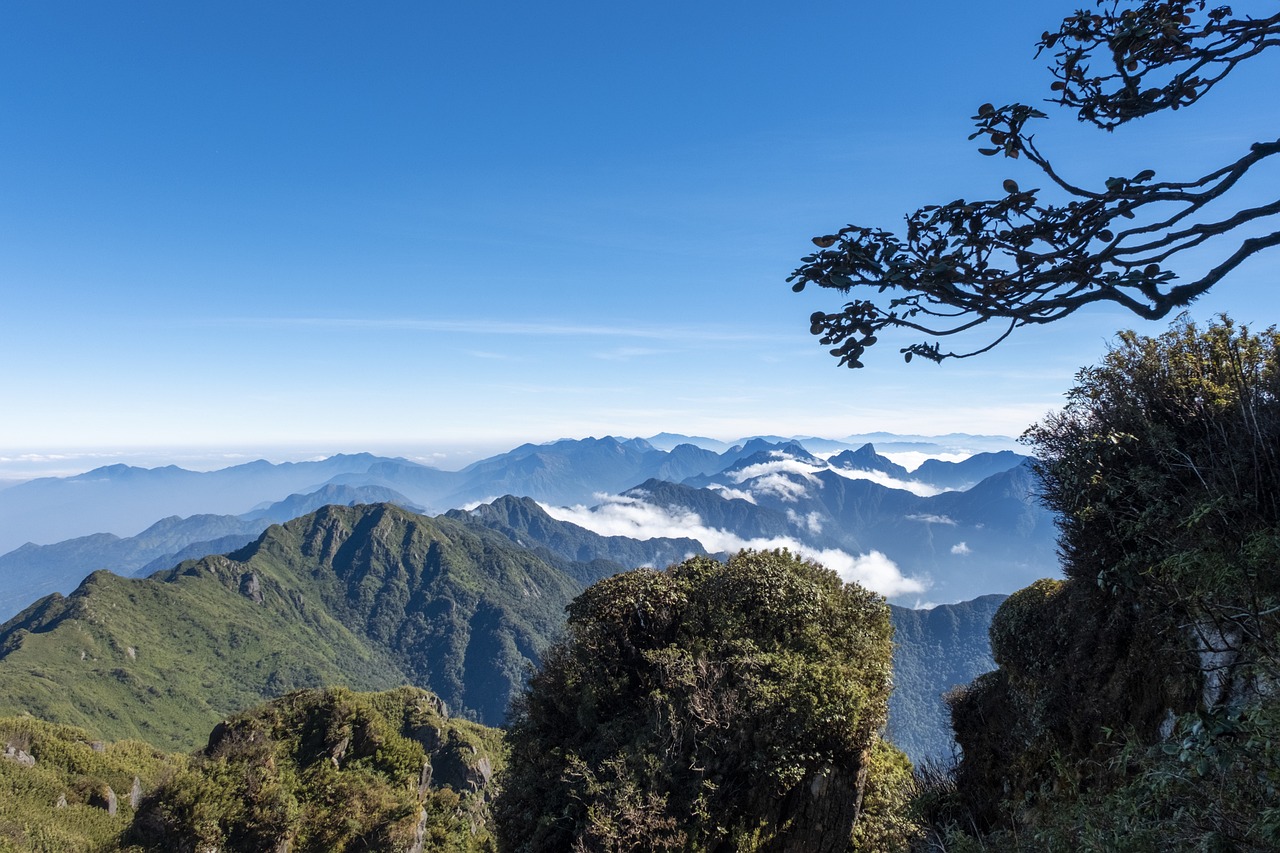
{"x": 1019, "y": 260}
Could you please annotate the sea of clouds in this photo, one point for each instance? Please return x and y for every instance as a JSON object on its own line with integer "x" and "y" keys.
{"x": 633, "y": 517}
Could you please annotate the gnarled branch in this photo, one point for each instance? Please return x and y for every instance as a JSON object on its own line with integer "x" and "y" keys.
{"x": 1022, "y": 259}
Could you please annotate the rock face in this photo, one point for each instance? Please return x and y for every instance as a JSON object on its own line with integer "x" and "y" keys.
{"x": 13, "y": 753}
{"x": 820, "y": 815}
{"x": 251, "y": 587}
{"x": 479, "y": 774}
{"x": 105, "y": 798}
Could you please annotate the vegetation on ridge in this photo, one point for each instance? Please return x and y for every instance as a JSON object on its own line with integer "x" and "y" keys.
{"x": 1134, "y": 706}
{"x": 710, "y": 706}
{"x": 316, "y": 770}
{"x": 368, "y": 597}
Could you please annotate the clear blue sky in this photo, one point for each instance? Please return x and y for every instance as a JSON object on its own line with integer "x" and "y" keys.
{"x": 343, "y": 226}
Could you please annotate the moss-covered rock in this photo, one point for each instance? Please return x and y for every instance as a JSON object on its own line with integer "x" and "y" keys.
{"x": 331, "y": 770}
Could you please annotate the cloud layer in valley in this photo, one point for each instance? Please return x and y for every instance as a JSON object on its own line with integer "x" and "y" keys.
{"x": 777, "y": 476}
{"x": 622, "y": 515}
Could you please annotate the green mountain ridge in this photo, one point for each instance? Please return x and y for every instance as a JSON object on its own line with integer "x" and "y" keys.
{"x": 368, "y": 597}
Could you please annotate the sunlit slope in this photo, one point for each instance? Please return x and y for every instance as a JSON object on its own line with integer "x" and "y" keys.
{"x": 367, "y": 597}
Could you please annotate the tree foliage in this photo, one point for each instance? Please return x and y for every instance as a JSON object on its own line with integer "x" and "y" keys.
{"x": 708, "y": 706}
{"x": 1134, "y": 704}
{"x": 1163, "y": 468}
{"x": 330, "y": 770}
{"x": 1035, "y": 255}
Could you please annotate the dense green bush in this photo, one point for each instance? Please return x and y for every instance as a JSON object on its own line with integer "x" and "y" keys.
{"x": 1133, "y": 706}
{"x": 331, "y": 770}
{"x": 709, "y": 706}
{"x": 59, "y": 803}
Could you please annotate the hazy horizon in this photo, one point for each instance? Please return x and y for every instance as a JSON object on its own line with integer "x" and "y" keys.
{"x": 28, "y": 464}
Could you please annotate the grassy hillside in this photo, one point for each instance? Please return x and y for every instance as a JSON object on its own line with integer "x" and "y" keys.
{"x": 368, "y": 597}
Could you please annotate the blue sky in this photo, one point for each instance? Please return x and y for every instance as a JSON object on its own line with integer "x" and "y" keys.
{"x": 322, "y": 227}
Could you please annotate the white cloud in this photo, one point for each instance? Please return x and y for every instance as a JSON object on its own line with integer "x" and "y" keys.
{"x": 931, "y": 519}
{"x": 782, "y": 464}
{"x": 875, "y": 571}
{"x": 627, "y": 515}
{"x": 961, "y": 549}
{"x": 923, "y": 490}
{"x": 913, "y": 459}
{"x": 489, "y": 326}
{"x": 783, "y": 476}
{"x": 730, "y": 494}
{"x": 811, "y": 522}
{"x": 780, "y": 484}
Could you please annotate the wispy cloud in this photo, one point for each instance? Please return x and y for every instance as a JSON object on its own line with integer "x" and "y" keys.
{"x": 623, "y": 515}
{"x": 781, "y": 465}
{"x": 923, "y": 490}
{"x": 731, "y": 494}
{"x": 913, "y": 459}
{"x": 773, "y": 476}
{"x": 684, "y": 333}
{"x": 811, "y": 522}
{"x": 628, "y": 353}
{"x": 931, "y": 519}
{"x": 961, "y": 548}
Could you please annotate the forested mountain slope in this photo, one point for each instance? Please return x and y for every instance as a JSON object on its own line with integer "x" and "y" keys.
{"x": 369, "y": 597}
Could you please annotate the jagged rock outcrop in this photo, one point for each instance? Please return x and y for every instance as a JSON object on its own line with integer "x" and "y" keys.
{"x": 251, "y": 587}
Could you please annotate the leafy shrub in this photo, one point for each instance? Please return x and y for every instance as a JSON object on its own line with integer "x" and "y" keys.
{"x": 733, "y": 705}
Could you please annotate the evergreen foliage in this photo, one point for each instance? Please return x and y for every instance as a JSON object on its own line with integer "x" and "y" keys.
{"x": 331, "y": 770}
{"x": 709, "y": 706}
{"x": 1134, "y": 705}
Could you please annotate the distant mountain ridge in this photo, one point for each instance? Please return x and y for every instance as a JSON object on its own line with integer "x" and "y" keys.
{"x": 578, "y": 550}
{"x": 32, "y": 571}
{"x": 934, "y": 651}
{"x": 855, "y": 500}
{"x": 124, "y": 500}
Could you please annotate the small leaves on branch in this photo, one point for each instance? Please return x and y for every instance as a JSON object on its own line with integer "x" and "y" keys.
{"x": 1021, "y": 259}
{"x": 1154, "y": 56}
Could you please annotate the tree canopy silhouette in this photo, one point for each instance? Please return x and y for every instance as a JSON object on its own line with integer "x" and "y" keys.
{"x": 1034, "y": 256}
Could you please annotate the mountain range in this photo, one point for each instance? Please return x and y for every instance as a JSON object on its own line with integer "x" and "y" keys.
{"x": 370, "y": 597}
{"x": 345, "y": 581}
{"x": 956, "y": 529}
